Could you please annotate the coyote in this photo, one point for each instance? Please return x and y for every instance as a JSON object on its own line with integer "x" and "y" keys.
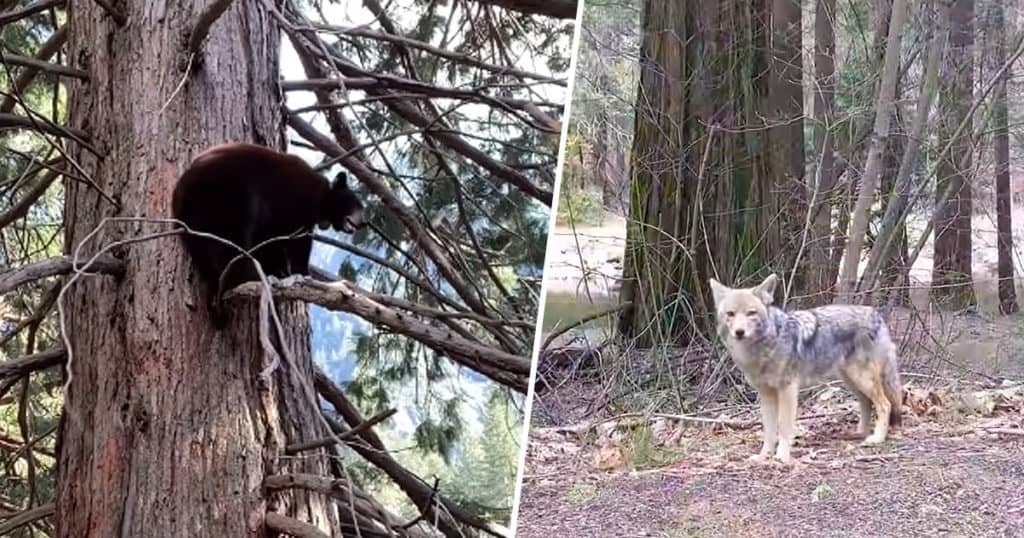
{"x": 778, "y": 351}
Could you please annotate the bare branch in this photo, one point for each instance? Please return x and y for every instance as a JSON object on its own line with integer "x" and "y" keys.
{"x": 32, "y": 363}
{"x": 14, "y": 121}
{"x": 13, "y": 278}
{"x": 510, "y": 370}
{"x": 204, "y": 22}
{"x": 26, "y": 517}
{"x": 423, "y": 495}
{"x": 327, "y": 441}
{"x": 38, "y": 65}
{"x": 561, "y": 9}
{"x": 311, "y": 84}
{"x": 292, "y": 527}
{"x": 28, "y": 11}
{"x": 21, "y": 207}
{"x": 27, "y": 75}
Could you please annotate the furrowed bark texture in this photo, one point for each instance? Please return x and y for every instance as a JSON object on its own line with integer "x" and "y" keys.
{"x": 700, "y": 161}
{"x": 951, "y": 270}
{"x": 168, "y": 430}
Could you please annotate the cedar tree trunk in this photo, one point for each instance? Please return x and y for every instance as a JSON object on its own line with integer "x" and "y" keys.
{"x": 168, "y": 429}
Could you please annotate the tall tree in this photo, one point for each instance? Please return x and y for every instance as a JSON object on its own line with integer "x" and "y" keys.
{"x": 951, "y": 269}
{"x": 145, "y": 439}
{"x": 786, "y": 137}
{"x": 872, "y": 169}
{"x": 700, "y": 161}
{"x": 1001, "y": 147}
{"x": 823, "y": 178}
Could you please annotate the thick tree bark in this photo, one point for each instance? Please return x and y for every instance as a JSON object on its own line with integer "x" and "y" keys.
{"x": 1004, "y": 205}
{"x": 823, "y": 180}
{"x": 786, "y": 138}
{"x": 872, "y": 170}
{"x": 951, "y": 269}
{"x": 700, "y": 162}
{"x": 169, "y": 431}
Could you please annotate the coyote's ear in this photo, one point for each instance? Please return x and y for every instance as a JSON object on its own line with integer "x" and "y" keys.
{"x": 717, "y": 290}
{"x": 766, "y": 290}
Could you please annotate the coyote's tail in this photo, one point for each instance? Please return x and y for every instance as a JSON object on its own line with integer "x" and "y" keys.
{"x": 893, "y": 390}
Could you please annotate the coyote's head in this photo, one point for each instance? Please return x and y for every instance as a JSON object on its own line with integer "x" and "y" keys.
{"x": 741, "y": 312}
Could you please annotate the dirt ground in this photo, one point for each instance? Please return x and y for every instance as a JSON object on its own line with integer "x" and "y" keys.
{"x": 955, "y": 468}
{"x": 958, "y": 470}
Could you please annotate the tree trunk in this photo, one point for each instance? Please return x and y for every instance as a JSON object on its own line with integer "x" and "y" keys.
{"x": 951, "y": 269}
{"x": 169, "y": 431}
{"x": 699, "y": 162}
{"x": 786, "y": 138}
{"x": 894, "y": 221}
{"x": 869, "y": 181}
{"x": 1004, "y": 206}
{"x": 823, "y": 180}
{"x": 894, "y": 281}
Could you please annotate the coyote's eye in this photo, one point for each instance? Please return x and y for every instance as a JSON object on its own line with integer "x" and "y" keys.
{"x": 730, "y": 314}
{"x": 751, "y": 313}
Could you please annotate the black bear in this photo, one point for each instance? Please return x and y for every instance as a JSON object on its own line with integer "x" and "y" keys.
{"x": 248, "y": 194}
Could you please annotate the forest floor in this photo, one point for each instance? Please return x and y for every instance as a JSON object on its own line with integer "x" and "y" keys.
{"x": 596, "y": 468}
{"x": 956, "y": 468}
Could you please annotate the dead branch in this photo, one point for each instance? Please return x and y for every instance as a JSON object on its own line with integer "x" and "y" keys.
{"x": 34, "y": 192}
{"x": 419, "y": 492}
{"x": 561, "y": 9}
{"x": 606, "y": 312}
{"x": 15, "y": 121}
{"x": 48, "y": 67}
{"x": 292, "y": 527}
{"x": 341, "y": 436}
{"x": 311, "y": 84}
{"x": 510, "y": 370}
{"x": 32, "y": 363}
{"x": 28, "y": 74}
{"x": 13, "y": 278}
{"x": 26, "y": 517}
{"x": 204, "y": 23}
{"x": 118, "y": 17}
{"x": 375, "y": 518}
{"x": 28, "y": 11}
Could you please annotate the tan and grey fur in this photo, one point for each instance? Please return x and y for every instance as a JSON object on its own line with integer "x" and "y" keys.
{"x": 780, "y": 351}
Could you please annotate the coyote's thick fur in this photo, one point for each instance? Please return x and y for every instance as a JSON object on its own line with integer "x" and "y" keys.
{"x": 780, "y": 351}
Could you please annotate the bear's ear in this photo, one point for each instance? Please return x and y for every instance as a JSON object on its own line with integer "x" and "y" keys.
{"x": 341, "y": 180}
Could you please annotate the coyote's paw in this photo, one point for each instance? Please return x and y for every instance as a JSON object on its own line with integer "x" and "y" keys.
{"x": 873, "y": 440}
{"x": 760, "y": 459}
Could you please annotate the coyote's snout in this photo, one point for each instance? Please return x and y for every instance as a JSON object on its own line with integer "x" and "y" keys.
{"x": 780, "y": 351}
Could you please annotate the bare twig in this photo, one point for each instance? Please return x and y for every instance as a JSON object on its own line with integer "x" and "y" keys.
{"x": 341, "y": 436}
